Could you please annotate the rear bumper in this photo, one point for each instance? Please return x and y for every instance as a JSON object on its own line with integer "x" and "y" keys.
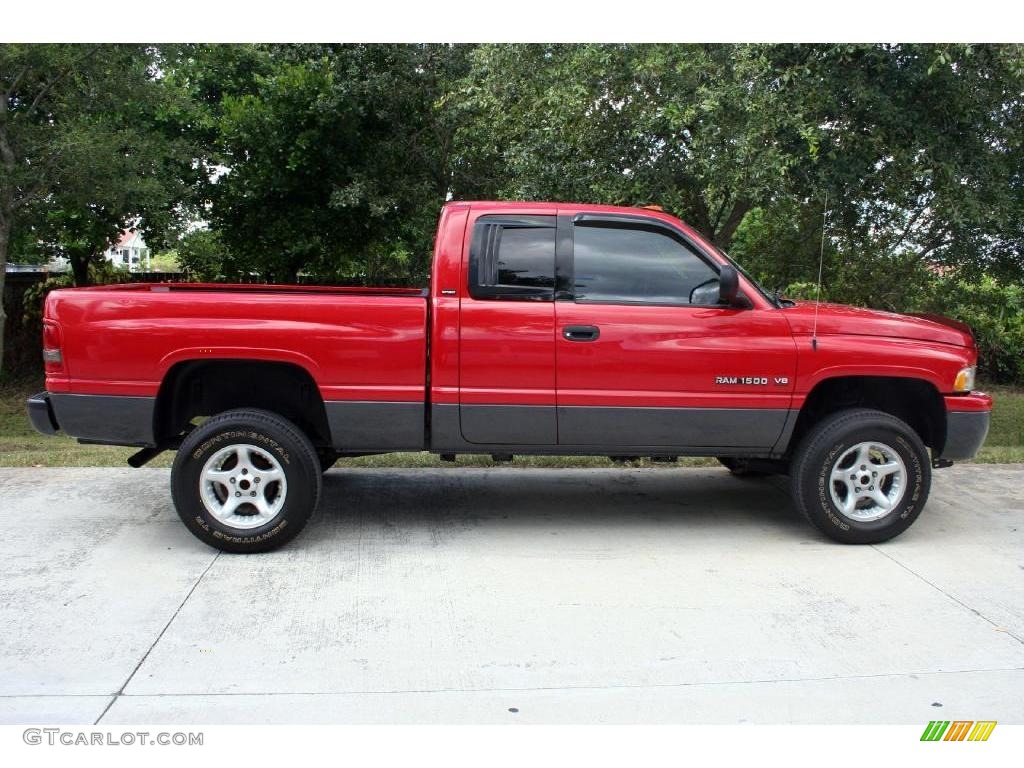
{"x": 107, "y": 419}
{"x": 966, "y": 427}
{"x": 40, "y": 413}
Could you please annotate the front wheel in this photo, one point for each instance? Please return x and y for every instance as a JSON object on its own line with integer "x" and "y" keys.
{"x": 246, "y": 481}
{"x": 861, "y": 476}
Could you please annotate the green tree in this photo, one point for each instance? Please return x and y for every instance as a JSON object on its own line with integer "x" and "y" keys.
{"x": 202, "y": 256}
{"x": 918, "y": 149}
{"x": 332, "y": 157}
{"x": 707, "y": 131}
{"x": 89, "y": 144}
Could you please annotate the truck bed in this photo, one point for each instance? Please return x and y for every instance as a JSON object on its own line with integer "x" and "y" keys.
{"x": 366, "y": 344}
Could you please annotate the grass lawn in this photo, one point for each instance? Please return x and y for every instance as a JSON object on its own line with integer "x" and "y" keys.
{"x": 22, "y": 446}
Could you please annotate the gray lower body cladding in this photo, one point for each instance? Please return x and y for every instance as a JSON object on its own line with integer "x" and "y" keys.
{"x": 506, "y": 424}
{"x": 111, "y": 419}
{"x": 756, "y": 428}
{"x": 118, "y": 420}
{"x": 609, "y": 431}
{"x": 370, "y": 426}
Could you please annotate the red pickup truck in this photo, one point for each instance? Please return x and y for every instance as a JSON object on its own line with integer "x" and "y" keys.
{"x": 547, "y": 329}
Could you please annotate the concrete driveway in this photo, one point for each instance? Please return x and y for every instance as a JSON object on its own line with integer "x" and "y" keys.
{"x": 506, "y": 596}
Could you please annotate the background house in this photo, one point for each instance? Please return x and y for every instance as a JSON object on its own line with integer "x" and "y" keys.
{"x": 129, "y": 252}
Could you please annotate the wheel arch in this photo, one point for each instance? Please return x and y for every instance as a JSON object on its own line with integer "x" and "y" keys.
{"x": 204, "y": 387}
{"x": 915, "y": 401}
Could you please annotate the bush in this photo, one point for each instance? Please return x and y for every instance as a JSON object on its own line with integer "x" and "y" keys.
{"x": 805, "y": 292}
{"x": 202, "y": 256}
{"x": 995, "y": 312}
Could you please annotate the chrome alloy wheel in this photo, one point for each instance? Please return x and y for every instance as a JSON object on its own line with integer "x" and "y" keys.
{"x": 243, "y": 486}
{"x": 868, "y": 481}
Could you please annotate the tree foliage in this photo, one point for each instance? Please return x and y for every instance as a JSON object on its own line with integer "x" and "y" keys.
{"x": 334, "y": 158}
{"x": 87, "y": 147}
{"x": 330, "y": 162}
{"x": 203, "y": 257}
{"x": 918, "y": 147}
{"x": 707, "y": 132}
{"x": 918, "y": 151}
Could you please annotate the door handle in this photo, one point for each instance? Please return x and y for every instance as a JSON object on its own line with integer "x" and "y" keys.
{"x": 581, "y": 332}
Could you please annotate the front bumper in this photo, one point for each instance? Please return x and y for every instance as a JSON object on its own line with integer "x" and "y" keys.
{"x": 966, "y": 427}
{"x": 40, "y": 413}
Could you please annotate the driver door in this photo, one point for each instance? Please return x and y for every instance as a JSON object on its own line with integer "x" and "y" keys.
{"x": 639, "y": 365}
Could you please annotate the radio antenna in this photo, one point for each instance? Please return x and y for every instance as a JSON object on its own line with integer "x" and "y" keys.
{"x": 817, "y": 289}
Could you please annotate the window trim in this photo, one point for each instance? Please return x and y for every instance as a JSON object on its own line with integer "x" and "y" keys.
{"x": 482, "y": 241}
{"x": 629, "y": 221}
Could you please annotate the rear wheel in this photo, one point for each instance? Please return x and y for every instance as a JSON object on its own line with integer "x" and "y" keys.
{"x": 861, "y": 476}
{"x": 246, "y": 481}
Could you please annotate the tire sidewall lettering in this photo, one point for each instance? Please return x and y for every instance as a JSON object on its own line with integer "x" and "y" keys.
{"x": 232, "y": 436}
{"x": 824, "y": 496}
{"x": 916, "y": 471}
{"x": 277, "y": 529}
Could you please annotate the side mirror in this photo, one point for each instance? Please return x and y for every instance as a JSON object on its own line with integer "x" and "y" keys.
{"x": 728, "y": 285}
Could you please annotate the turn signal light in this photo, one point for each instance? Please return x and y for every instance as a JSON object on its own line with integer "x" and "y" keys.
{"x": 964, "y": 381}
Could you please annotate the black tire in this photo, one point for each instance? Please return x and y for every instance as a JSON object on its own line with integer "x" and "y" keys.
{"x": 261, "y": 434}
{"x": 824, "y": 447}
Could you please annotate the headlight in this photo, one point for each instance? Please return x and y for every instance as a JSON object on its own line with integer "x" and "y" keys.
{"x": 964, "y": 381}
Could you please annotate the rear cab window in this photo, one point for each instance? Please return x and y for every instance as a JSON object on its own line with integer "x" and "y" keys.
{"x": 513, "y": 258}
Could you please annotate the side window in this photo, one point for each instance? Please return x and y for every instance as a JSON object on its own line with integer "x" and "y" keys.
{"x": 513, "y": 258}
{"x": 630, "y": 264}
